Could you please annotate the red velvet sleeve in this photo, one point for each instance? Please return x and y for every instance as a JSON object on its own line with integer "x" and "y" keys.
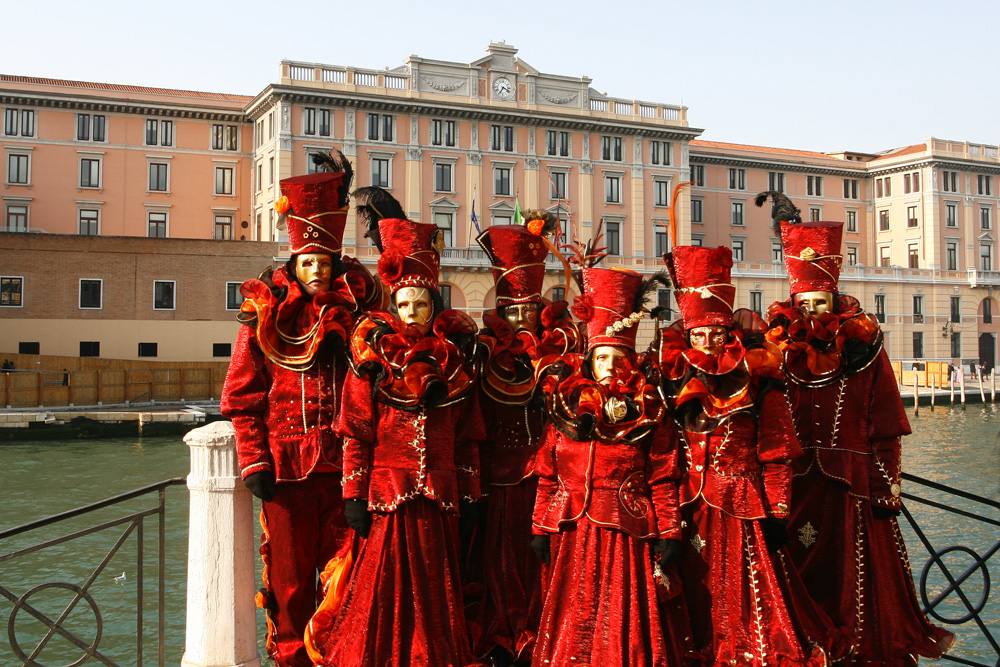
{"x": 888, "y": 422}
{"x": 664, "y": 472}
{"x": 244, "y": 403}
{"x": 356, "y": 425}
{"x": 471, "y": 432}
{"x": 544, "y": 468}
{"x": 777, "y": 446}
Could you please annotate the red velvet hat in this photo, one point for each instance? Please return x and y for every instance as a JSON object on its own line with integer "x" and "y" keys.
{"x": 409, "y": 258}
{"x": 608, "y": 306}
{"x": 518, "y": 258}
{"x": 812, "y": 255}
{"x": 705, "y": 292}
{"x": 315, "y": 221}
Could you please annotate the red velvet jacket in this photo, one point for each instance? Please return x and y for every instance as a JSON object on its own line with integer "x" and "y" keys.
{"x": 283, "y": 418}
{"x": 515, "y": 433}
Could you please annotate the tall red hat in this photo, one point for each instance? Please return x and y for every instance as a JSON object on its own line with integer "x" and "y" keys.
{"x": 310, "y": 206}
{"x": 409, "y": 257}
{"x": 518, "y": 258}
{"x": 608, "y": 306}
{"x": 812, "y": 255}
{"x": 705, "y": 292}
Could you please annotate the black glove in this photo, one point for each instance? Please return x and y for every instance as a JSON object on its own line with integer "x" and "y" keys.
{"x": 540, "y": 545}
{"x": 775, "y": 533}
{"x": 261, "y": 484}
{"x": 470, "y": 516}
{"x": 357, "y": 515}
{"x": 883, "y": 513}
{"x": 669, "y": 550}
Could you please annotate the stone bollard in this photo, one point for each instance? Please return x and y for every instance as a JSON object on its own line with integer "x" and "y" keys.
{"x": 221, "y": 615}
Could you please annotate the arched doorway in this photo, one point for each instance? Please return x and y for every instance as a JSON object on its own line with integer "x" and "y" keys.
{"x": 988, "y": 328}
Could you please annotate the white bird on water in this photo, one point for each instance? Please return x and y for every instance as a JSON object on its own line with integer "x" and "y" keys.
{"x": 120, "y": 579}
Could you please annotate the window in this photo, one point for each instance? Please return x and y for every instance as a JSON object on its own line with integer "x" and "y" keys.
{"x": 737, "y": 250}
{"x": 502, "y": 137}
{"x": 956, "y": 309}
{"x": 90, "y": 173}
{"x": 987, "y": 311}
{"x": 260, "y": 174}
{"x": 17, "y": 218}
{"x": 612, "y": 237}
{"x": 850, "y": 188}
{"x": 880, "y": 308}
{"x": 911, "y": 216}
{"x": 815, "y": 214}
{"x": 984, "y": 218}
{"x": 884, "y": 256}
{"x": 776, "y": 181}
{"x": 883, "y": 221}
{"x": 696, "y": 210}
{"x": 90, "y": 348}
{"x": 660, "y": 243}
{"x": 852, "y": 221}
{"x": 918, "y": 344}
{"x": 951, "y": 215}
{"x": 852, "y": 255}
{"x": 90, "y": 293}
{"x": 163, "y": 294}
{"x": 986, "y": 257}
{"x": 226, "y": 137}
{"x": 443, "y": 172}
{"x": 888, "y": 186}
{"x": 878, "y": 187}
{"x": 736, "y": 209}
{"x": 661, "y": 193}
{"x": 373, "y": 127}
{"x": 915, "y": 178}
{"x": 564, "y": 144}
{"x": 495, "y": 137}
{"x": 223, "y": 228}
{"x": 501, "y": 220}
{"x": 913, "y": 255}
{"x": 949, "y": 181}
{"x": 324, "y": 125}
{"x": 223, "y": 180}
{"x": 757, "y": 302}
{"x": 617, "y": 149}
{"x": 17, "y": 169}
{"x": 380, "y": 172}
{"x": 152, "y": 127}
{"x": 444, "y": 223}
{"x": 99, "y": 126}
{"x": 83, "y": 127}
{"x": 89, "y": 220}
{"x": 157, "y": 177}
{"x": 508, "y": 138}
{"x": 814, "y": 186}
{"x": 611, "y": 148}
{"x": 147, "y": 349}
{"x": 443, "y": 132}
{"x": 777, "y": 252}
{"x": 697, "y": 241}
{"x": 911, "y": 182}
{"x": 445, "y": 291}
{"x": 659, "y": 152}
{"x": 906, "y": 184}
{"x": 985, "y": 184}
{"x": 738, "y": 179}
{"x": 558, "y": 293}
{"x": 234, "y": 300}
{"x": 612, "y": 189}
{"x": 28, "y": 348}
{"x": 558, "y": 184}
{"x": 308, "y": 120}
{"x": 550, "y": 142}
{"x": 956, "y": 344}
{"x": 270, "y": 168}
{"x": 218, "y": 137}
{"x": 951, "y": 256}
{"x": 157, "y": 225}
{"x": 19, "y": 122}
{"x": 663, "y": 301}
{"x": 698, "y": 175}
{"x": 918, "y": 309}
{"x": 10, "y": 291}
{"x": 222, "y": 349}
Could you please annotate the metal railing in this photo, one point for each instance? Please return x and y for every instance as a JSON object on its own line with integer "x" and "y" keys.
{"x": 933, "y": 603}
{"x": 63, "y": 625}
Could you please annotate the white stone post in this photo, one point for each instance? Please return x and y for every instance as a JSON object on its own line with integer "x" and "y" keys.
{"x": 221, "y": 615}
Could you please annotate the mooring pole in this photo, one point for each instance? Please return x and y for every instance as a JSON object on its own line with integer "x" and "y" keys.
{"x": 916, "y": 394}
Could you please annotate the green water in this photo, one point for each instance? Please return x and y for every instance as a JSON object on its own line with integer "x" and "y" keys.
{"x": 41, "y": 479}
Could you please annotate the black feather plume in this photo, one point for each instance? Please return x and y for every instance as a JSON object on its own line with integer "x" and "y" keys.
{"x": 336, "y": 162}
{"x": 782, "y": 210}
{"x": 374, "y": 204}
{"x": 647, "y": 287}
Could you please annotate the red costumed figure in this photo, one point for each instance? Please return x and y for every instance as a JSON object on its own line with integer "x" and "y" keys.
{"x": 607, "y": 492}
{"x": 283, "y": 393}
{"x": 411, "y": 460}
{"x": 724, "y": 385}
{"x": 524, "y": 328}
{"x": 849, "y": 419}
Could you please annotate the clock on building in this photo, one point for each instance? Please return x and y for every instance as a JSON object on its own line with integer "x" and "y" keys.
{"x": 503, "y": 88}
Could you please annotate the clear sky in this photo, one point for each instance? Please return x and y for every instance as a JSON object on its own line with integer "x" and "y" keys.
{"x": 824, "y": 76}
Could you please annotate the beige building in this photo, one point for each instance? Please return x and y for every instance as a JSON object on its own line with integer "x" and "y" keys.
{"x": 453, "y": 139}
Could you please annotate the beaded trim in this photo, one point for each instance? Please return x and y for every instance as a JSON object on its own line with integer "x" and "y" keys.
{"x": 623, "y": 323}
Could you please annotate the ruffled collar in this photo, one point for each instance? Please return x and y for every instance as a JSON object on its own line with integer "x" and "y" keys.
{"x": 626, "y": 410}
{"x": 410, "y": 370}
{"x": 820, "y": 349}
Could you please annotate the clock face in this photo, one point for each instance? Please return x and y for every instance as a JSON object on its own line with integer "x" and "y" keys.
{"x": 503, "y": 88}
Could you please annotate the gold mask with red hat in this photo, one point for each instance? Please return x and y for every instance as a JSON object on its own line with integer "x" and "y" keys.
{"x": 705, "y": 294}
{"x": 410, "y": 265}
{"x": 812, "y": 260}
{"x": 518, "y": 257}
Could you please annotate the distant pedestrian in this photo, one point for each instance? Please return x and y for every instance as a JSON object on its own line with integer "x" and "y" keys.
{"x": 6, "y": 366}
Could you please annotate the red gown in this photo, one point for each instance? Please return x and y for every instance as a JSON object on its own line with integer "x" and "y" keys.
{"x": 747, "y": 605}
{"x": 282, "y": 399}
{"x": 413, "y": 464}
{"x": 849, "y": 418}
{"x": 606, "y": 490}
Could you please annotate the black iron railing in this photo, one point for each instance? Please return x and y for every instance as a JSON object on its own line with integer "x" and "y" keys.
{"x": 120, "y": 529}
{"x": 972, "y": 585}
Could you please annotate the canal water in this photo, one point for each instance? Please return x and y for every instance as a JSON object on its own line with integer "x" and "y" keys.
{"x": 960, "y": 449}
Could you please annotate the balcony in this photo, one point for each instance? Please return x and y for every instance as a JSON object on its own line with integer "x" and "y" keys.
{"x": 980, "y": 278}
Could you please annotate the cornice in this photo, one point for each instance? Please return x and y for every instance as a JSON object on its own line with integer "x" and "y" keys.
{"x": 776, "y": 164}
{"x": 940, "y": 163}
{"x": 122, "y": 107}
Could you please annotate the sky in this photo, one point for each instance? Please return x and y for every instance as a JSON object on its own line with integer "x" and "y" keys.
{"x": 822, "y": 76}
